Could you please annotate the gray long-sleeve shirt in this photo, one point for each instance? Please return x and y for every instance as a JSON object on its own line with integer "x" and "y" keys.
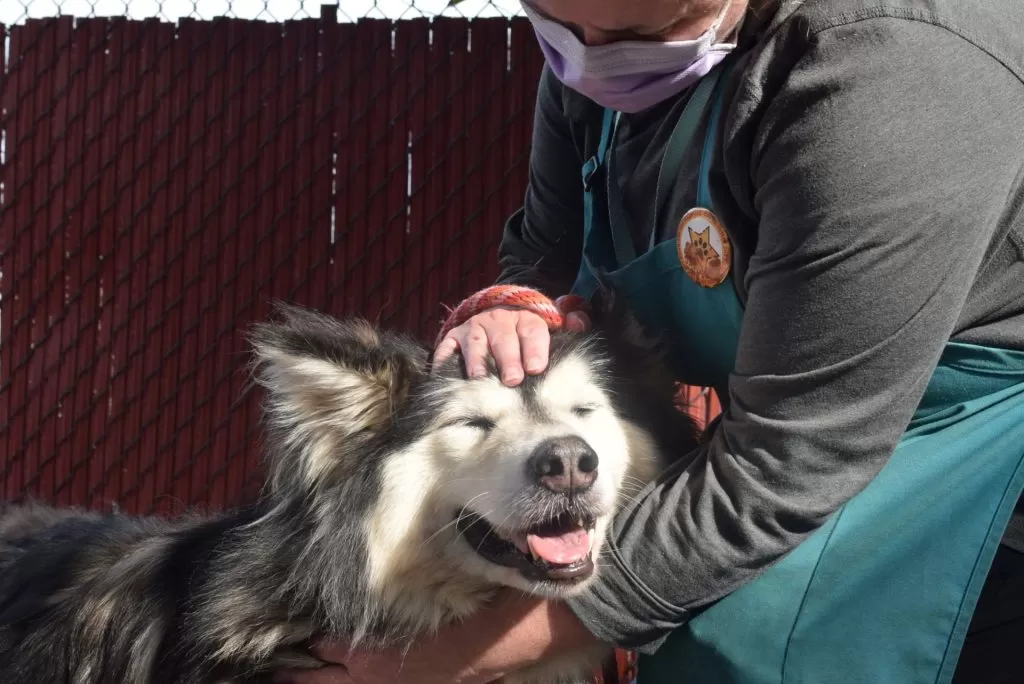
{"x": 870, "y": 173}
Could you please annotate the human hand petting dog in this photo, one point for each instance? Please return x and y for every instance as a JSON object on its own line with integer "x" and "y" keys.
{"x": 516, "y": 338}
{"x": 512, "y": 633}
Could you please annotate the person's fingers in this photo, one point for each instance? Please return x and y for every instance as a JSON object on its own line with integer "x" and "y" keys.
{"x": 474, "y": 344}
{"x": 535, "y": 340}
{"x": 516, "y": 340}
{"x": 577, "y": 321}
{"x": 332, "y": 674}
{"x": 332, "y": 651}
{"x": 574, "y": 308}
{"x": 567, "y": 303}
{"x": 449, "y": 345}
{"x": 503, "y": 340}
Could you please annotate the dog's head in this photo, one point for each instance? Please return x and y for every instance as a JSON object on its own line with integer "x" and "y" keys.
{"x": 459, "y": 479}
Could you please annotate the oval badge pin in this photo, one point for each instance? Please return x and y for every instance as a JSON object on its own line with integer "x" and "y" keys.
{"x": 704, "y": 248}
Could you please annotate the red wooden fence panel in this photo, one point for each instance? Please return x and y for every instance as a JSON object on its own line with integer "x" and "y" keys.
{"x": 164, "y": 184}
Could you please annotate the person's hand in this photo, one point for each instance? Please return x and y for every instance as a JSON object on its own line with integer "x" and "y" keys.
{"x": 517, "y": 339}
{"x": 388, "y": 666}
{"x": 513, "y": 632}
{"x": 574, "y": 308}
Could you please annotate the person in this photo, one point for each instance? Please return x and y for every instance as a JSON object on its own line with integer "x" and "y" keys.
{"x": 821, "y": 204}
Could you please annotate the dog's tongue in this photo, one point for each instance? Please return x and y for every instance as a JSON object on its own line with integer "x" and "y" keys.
{"x": 560, "y": 549}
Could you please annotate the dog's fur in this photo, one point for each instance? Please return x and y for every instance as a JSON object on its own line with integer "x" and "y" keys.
{"x": 371, "y": 460}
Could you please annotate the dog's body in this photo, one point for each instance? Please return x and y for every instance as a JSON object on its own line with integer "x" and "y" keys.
{"x": 397, "y": 500}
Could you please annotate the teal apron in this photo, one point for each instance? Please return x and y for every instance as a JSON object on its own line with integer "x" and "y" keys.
{"x": 885, "y": 590}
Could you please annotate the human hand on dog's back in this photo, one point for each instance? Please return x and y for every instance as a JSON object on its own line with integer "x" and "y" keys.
{"x": 515, "y": 337}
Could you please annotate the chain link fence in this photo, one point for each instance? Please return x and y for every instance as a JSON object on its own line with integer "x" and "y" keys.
{"x": 16, "y": 11}
{"x": 168, "y": 168}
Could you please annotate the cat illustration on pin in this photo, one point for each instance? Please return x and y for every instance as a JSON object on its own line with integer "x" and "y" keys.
{"x": 706, "y": 262}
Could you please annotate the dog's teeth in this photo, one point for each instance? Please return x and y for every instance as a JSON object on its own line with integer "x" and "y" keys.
{"x": 579, "y": 521}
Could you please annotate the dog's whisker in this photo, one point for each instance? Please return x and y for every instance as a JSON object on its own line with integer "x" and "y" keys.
{"x": 493, "y": 529}
{"x": 440, "y": 530}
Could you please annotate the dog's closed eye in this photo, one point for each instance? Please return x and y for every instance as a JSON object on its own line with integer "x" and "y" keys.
{"x": 583, "y": 410}
{"x": 477, "y": 422}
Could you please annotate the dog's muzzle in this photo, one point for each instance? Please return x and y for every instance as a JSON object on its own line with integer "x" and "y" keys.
{"x": 558, "y": 547}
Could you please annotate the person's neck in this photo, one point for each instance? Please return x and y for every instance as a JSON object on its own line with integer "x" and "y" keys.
{"x": 755, "y": 15}
{"x": 733, "y": 20}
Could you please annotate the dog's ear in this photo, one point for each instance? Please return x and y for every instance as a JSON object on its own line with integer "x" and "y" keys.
{"x": 611, "y": 316}
{"x": 330, "y": 386}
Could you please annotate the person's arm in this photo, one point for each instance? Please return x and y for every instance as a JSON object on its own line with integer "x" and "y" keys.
{"x": 882, "y": 170}
{"x": 513, "y": 632}
{"x": 541, "y": 243}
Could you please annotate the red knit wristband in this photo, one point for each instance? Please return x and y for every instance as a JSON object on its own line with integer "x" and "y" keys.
{"x": 503, "y": 295}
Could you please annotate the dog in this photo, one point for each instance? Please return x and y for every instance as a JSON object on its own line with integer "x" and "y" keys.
{"x": 398, "y": 498}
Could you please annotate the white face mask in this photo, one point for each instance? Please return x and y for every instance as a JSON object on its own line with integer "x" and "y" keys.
{"x": 628, "y": 76}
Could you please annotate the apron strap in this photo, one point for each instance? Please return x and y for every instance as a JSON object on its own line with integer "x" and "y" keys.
{"x": 591, "y": 166}
{"x": 591, "y": 176}
{"x": 617, "y": 231}
{"x": 622, "y": 238}
{"x": 621, "y": 242}
{"x": 682, "y": 134}
{"x": 707, "y": 155}
{"x": 591, "y": 169}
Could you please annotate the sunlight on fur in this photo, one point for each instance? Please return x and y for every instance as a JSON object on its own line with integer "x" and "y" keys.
{"x": 397, "y": 499}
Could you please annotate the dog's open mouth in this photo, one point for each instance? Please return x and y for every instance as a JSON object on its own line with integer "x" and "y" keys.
{"x": 558, "y": 550}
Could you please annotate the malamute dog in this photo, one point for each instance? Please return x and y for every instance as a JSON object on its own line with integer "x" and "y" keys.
{"x": 398, "y": 497}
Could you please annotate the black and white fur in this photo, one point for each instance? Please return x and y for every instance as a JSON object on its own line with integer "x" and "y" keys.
{"x": 379, "y": 470}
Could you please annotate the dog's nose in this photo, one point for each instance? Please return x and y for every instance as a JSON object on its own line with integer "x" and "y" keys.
{"x": 564, "y": 465}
